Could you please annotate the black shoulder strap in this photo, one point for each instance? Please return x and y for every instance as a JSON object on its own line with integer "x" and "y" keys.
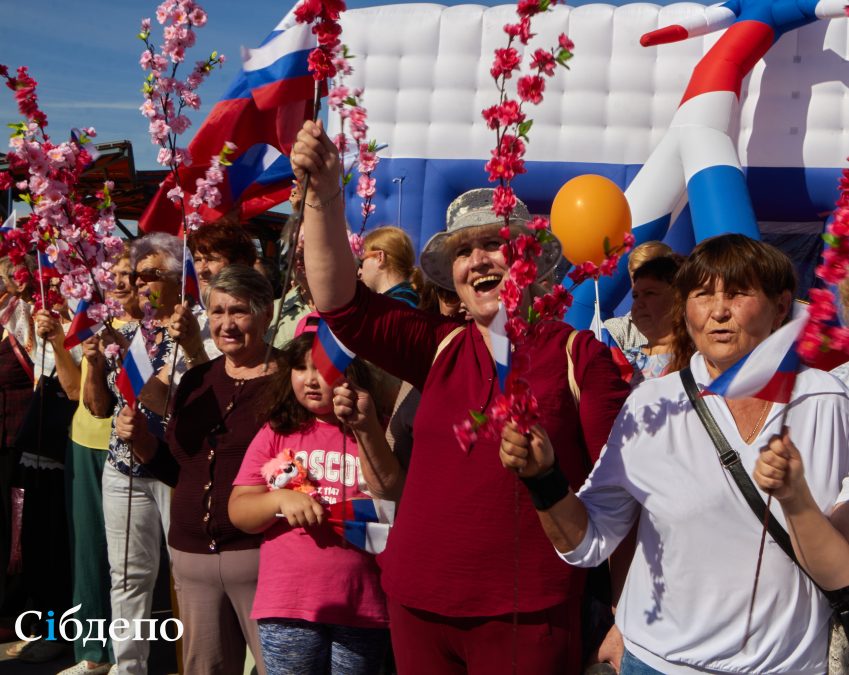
{"x": 730, "y": 459}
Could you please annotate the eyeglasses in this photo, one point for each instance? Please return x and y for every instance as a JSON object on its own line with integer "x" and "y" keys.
{"x": 148, "y": 276}
{"x": 366, "y": 256}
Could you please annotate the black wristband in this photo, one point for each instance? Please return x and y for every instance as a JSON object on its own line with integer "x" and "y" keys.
{"x": 547, "y": 489}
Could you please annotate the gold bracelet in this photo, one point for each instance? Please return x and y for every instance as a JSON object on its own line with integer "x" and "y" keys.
{"x": 326, "y": 202}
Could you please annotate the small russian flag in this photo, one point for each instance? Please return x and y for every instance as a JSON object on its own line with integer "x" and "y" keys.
{"x": 363, "y": 522}
{"x": 329, "y": 355}
{"x": 192, "y": 285}
{"x": 769, "y": 371}
{"x": 500, "y": 345}
{"x": 45, "y": 261}
{"x": 10, "y": 223}
{"x": 82, "y": 326}
{"x": 136, "y": 370}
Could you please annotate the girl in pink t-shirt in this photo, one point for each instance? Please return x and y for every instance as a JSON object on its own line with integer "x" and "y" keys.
{"x": 318, "y": 602}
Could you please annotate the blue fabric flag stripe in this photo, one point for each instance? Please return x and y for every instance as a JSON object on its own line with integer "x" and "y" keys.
{"x": 135, "y": 375}
{"x": 338, "y": 355}
{"x": 288, "y": 67}
{"x": 356, "y": 533}
{"x": 720, "y": 385}
{"x": 363, "y": 510}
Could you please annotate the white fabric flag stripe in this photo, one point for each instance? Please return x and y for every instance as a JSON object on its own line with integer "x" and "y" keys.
{"x": 11, "y": 222}
{"x": 752, "y": 373}
{"x": 500, "y": 344}
{"x": 291, "y": 37}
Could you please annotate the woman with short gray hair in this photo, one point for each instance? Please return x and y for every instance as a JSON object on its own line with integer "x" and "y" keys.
{"x": 156, "y": 262}
{"x": 215, "y": 565}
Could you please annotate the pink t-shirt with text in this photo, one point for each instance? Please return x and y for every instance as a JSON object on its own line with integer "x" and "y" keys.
{"x": 307, "y": 573}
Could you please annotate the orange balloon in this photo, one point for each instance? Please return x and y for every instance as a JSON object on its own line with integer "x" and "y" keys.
{"x": 586, "y": 211}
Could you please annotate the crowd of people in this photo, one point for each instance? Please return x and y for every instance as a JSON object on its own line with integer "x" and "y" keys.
{"x": 244, "y": 458}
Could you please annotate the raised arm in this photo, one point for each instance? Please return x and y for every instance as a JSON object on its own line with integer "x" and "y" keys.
{"x": 821, "y": 543}
{"x": 331, "y": 270}
{"x": 49, "y": 328}
{"x": 715, "y": 17}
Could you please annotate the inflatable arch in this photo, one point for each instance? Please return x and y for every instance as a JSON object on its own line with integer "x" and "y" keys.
{"x": 644, "y": 116}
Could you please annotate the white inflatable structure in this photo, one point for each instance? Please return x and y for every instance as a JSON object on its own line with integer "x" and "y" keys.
{"x": 425, "y": 71}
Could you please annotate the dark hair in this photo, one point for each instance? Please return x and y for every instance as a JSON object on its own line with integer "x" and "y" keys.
{"x": 268, "y": 267}
{"x": 740, "y": 263}
{"x": 663, "y": 268}
{"x": 230, "y": 241}
{"x": 282, "y": 410}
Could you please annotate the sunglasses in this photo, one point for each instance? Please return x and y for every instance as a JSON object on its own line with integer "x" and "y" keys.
{"x": 148, "y": 276}
{"x": 366, "y": 256}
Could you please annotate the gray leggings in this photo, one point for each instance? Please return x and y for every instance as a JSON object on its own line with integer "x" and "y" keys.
{"x": 294, "y": 647}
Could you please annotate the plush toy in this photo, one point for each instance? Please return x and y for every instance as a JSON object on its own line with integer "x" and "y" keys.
{"x": 287, "y": 471}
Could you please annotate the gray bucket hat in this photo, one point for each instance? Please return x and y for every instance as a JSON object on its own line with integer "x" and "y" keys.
{"x": 474, "y": 209}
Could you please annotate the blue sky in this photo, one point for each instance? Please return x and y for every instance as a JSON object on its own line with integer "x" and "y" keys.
{"x": 84, "y": 55}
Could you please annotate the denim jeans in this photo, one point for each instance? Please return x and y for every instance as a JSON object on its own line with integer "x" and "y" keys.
{"x": 631, "y": 665}
{"x": 293, "y": 647}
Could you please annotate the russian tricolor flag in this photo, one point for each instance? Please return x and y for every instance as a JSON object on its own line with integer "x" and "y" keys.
{"x": 769, "y": 371}
{"x": 330, "y": 356}
{"x": 45, "y": 262}
{"x": 82, "y": 325}
{"x": 191, "y": 290}
{"x": 255, "y": 109}
{"x": 277, "y": 69}
{"x": 500, "y": 345}
{"x": 135, "y": 371}
{"x": 257, "y": 180}
{"x": 10, "y": 223}
{"x": 363, "y": 522}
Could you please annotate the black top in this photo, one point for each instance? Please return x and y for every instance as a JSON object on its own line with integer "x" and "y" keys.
{"x": 214, "y": 421}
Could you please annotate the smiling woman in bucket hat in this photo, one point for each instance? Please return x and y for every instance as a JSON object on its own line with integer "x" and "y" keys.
{"x": 473, "y": 209}
{"x": 449, "y": 569}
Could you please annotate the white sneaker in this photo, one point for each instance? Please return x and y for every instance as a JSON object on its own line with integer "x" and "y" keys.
{"x": 82, "y": 668}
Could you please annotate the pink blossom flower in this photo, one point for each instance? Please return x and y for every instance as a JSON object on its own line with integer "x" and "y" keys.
{"x": 180, "y": 123}
{"x": 355, "y": 241}
{"x": 511, "y": 296}
{"x": 544, "y": 62}
{"x": 98, "y": 312}
{"x": 521, "y": 30}
{"x": 523, "y": 272}
{"x": 320, "y": 64}
{"x": 164, "y": 157}
{"x": 145, "y": 25}
{"x": 530, "y": 88}
{"x": 194, "y": 221}
{"x": 506, "y": 61}
{"x": 527, "y": 8}
{"x": 198, "y": 17}
{"x": 366, "y": 187}
{"x": 367, "y": 161}
{"x": 538, "y": 224}
{"x": 159, "y": 130}
{"x": 112, "y": 351}
{"x": 175, "y": 194}
{"x": 565, "y": 43}
{"x": 336, "y": 96}
{"x": 503, "y": 201}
